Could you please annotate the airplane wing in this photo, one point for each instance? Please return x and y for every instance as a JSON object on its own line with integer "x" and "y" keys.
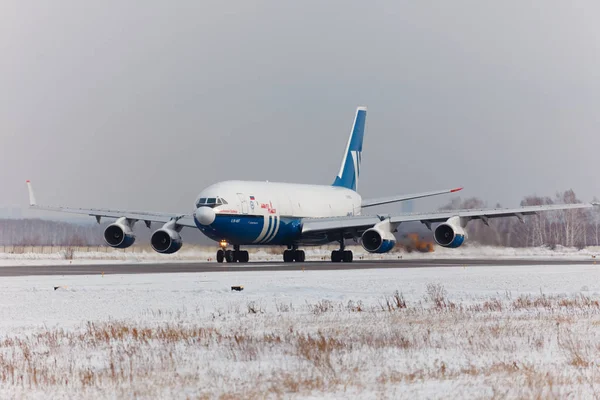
{"x": 354, "y": 226}
{"x": 186, "y": 220}
{"x": 394, "y": 199}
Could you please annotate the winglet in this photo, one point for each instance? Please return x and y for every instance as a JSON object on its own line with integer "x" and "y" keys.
{"x": 32, "y": 201}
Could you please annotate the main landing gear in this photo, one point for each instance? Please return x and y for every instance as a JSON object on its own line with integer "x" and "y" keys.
{"x": 342, "y": 254}
{"x": 231, "y": 256}
{"x": 294, "y": 254}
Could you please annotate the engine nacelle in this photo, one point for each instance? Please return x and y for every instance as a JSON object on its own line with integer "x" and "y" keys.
{"x": 450, "y": 234}
{"x": 166, "y": 240}
{"x": 379, "y": 239}
{"x": 120, "y": 234}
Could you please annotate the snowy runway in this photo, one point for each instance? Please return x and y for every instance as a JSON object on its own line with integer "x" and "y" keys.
{"x": 464, "y": 331}
{"x": 32, "y": 301}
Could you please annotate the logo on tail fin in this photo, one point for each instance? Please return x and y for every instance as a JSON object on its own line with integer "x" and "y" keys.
{"x": 350, "y": 168}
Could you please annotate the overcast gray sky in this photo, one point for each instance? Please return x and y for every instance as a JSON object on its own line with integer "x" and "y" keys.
{"x": 142, "y": 104}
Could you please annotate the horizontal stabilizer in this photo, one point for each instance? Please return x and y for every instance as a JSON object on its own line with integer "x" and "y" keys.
{"x": 395, "y": 199}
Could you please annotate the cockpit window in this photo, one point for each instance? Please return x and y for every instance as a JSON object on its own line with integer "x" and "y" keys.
{"x": 210, "y": 202}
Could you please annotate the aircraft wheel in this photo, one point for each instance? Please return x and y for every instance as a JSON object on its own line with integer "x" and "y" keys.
{"x": 243, "y": 256}
{"x": 347, "y": 256}
{"x": 229, "y": 256}
{"x": 336, "y": 256}
{"x": 288, "y": 256}
{"x": 299, "y": 256}
{"x": 220, "y": 256}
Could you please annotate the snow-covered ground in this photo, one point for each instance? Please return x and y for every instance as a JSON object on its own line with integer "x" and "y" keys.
{"x": 207, "y": 253}
{"x": 475, "y": 332}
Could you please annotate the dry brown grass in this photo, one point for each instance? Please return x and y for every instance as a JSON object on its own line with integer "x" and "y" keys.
{"x": 393, "y": 303}
{"x": 577, "y": 303}
{"x": 529, "y": 347}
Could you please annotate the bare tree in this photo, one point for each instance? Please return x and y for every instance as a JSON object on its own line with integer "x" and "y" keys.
{"x": 595, "y": 222}
{"x": 567, "y": 227}
{"x": 536, "y": 227}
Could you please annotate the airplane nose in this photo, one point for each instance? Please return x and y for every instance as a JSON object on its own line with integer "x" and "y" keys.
{"x": 205, "y": 215}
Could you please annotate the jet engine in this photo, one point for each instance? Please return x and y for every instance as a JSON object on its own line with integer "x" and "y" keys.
{"x": 379, "y": 239}
{"x": 167, "y": 240}
{"x": 119, "y": 234}
{"x": 451, "y": 233}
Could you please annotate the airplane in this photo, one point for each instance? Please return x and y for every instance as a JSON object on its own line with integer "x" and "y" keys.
{"x": 250, "y": 213}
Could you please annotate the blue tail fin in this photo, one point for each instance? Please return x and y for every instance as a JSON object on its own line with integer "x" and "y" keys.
{"x": 350, "y": 169}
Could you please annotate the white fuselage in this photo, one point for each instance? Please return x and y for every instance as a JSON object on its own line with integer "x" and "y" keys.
{"x": 270, "y": 212}
{"x": 283, "y": 199}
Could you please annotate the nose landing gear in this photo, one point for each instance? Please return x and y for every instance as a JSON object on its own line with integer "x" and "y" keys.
{"x": 231, "y": 256}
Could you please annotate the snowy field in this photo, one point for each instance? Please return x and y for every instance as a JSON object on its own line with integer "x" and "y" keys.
{"x": 475, "y": 332}
{"x": 32, "y": 256}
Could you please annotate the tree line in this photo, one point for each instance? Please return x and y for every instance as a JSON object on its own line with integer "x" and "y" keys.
{"x": 571, "y": 228}
{"x": 42, "y": 232}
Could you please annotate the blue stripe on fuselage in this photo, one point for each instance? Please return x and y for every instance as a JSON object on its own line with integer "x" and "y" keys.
{"x": 245, "y": 229}
{"x": 268, "y": 227}
{"x": 274, "y": 230}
